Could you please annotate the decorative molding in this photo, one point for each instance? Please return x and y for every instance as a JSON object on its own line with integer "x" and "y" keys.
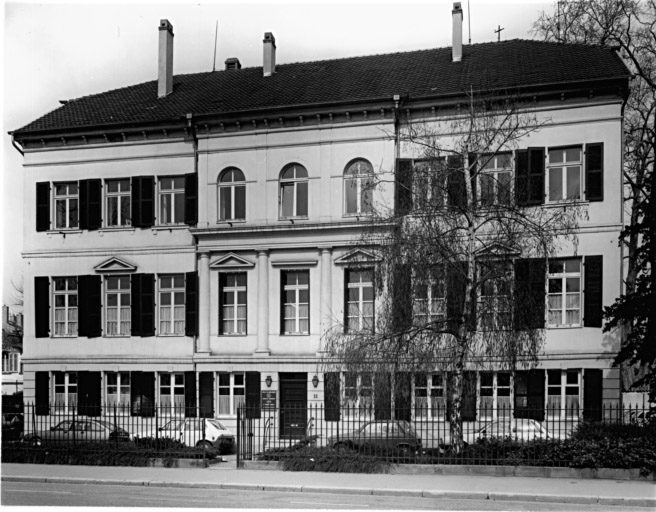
{"x": 114, "y": 265}
{"x": 231, "y": 261}
{"x": 294, "y": 263}
{"x": 357, "y": 257}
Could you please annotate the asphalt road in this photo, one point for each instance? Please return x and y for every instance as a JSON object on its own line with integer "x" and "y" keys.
{"x": 94, "y": 495}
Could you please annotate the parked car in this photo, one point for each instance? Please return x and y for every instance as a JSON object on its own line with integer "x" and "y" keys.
{"x": 70, "y": 431}
{"x": 12, "y": 426}
{"x": 516, "y": 429}
{"x": 189, "y": 432}
{"x": 383, "y": 434}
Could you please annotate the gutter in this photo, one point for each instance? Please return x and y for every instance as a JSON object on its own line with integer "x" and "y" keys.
{"x": 15, "y": 144}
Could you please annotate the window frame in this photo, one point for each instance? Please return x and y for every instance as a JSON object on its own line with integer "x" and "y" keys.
{"x": 363, "y": 185}
{"x": 435, "y": 389}
{"x": 564, "y": 166}
{"x": 67, "y": 198}
{"x": 232, "y": 186}
{"x": 431, "y": 306}
{"x": 10, "y": 363}
{"x": 232, "y": 386}
{"x": 495, "y": 172}
{"x": 501, "y": 277}
{"x": 430, "y": 182}
{"x": 119, "y": 195}
{"x": 173, "y": 193}
{"x": 121, "y": 293}
{"x": 172, "y": 386}
{"x": 66, "y": 293}
{"x": 297, "y": 305}
{"x": 70, "y": 393}
{"x": 360, "y": 286}
{"x": 234, "y": 291}
{"x": 294, "y": 184}
{"x": 562, "y": 388}
{"x": 173, "y": 292}
{"x": 363, "y": 391}
{"x": 123, "y": 400}
{"x": 563, "y": 276}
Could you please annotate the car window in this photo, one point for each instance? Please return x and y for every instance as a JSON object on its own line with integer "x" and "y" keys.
{"x": 216, "y": 424}
{"x": 94, "y": 426}
{"x": 174, "y": 425}
{"x": 64, "y": 425}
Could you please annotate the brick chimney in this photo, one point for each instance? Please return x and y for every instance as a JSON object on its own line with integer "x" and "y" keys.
{"x": 457, "y": 31}
{"x": 232, "y": 63}
{"x": 165, "y": 61}
{"x": 269, "y": 54}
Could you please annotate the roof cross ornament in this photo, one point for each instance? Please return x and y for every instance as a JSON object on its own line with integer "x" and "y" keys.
{"x": 498, "y": 33}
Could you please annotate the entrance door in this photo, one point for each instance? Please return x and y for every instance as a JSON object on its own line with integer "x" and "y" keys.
{"x": 293, "y": 405}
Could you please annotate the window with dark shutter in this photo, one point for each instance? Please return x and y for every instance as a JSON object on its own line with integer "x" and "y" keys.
{"x": 594, "y": 172}
{"x": 473, "y": 171}
{"x": 190, "y": 394}
{"x": 89, "y": 306}
{"x": 536, "y": 175}
{"x": 41, "y": 307}
{"x": 401, "y": 306}
{"x": 455, "y": 293}
{"x": 253, "y": 395}
{"x": 332, "y": 396}
{"x": 42, "y": 394}
{"x": 191, "y": 304}
{"x": 530, "y": 296}
{"x": 403, "y": 190}
{"x": 143, "y": 201}
{"x": 383, "y": 396}
{"x": 142, "y": 394}
{"x": 456, "y": 187}
{"x": 191, "y": 199}
{"x": 592, "y": 394}
{"x": 143, "y": 304}
{"x": 88, "y": 393}
{"x": 43, "y": 206}
{"x": 206, "y": 391}
{"x": 90, "y": 204}
{"x": 593, "y": 292}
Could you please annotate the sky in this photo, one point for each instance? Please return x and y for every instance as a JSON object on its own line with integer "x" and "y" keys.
{"x": 54, "y": 51}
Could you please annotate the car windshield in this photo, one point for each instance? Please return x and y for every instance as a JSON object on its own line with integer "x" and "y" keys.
{"x": 216, "y": 424}
{"x": 105, "y": 424}
{"x": 173, "y": 425}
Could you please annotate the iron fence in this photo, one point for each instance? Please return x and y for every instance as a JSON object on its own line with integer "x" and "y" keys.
{"x": 489, "y": 435}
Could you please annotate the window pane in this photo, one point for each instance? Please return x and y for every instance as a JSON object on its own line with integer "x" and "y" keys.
{"x": 240, "y": 202}
{"x": 572, "y": 284}
{"x": 556, "y": 183}
{"x": 286, "y": 199}
{"x": 351, "y": 192}
{"x": 225, "y": 203}
{"x": 572, "y": 266}
{"x": 573, "y": 155}
{"x": 165, "y": 299}
{"x": 555, "y": 156}
{"x": 574, "y": 182}
{"x": 179, "y": 208}
{"x": 302, "y": 206}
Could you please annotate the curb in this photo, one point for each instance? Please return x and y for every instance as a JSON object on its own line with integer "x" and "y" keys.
{"x": 540, "y": 498}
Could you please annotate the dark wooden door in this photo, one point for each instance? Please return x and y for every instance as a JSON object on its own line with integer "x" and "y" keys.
{"x": 293, "y": 405}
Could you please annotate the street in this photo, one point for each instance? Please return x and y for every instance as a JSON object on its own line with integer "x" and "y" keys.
{"x": 94, "y": 495}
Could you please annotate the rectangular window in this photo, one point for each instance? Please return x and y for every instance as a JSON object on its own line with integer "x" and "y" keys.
{"x": 117, "y": 305}
{"x": 360, "y": 300}
{"x": 487, "y": 395}
{"x": 430, "y": 396}
{"x": 65, "y": 300}
{"x": 171, "y": 200}
{"x": 232, "y": 393}
{"x": 503, "y": 394}
{"x": 10, "y": 362}
{"x": 564, "y": 174}
{"x": 118, "y": 389}
{"x": 172, "y": 304}
{"x": 430, "y": 298}
{"x": 563, "y": 393}
{"x": 232, "y": 292}
{"x": 117, "y": 206}
{"x": 65, "y": 391}
{"x": 494, "y": 308}
{"x": 495, "y": 177}
{"x": 172, "y": 391}
{"x": 429, "y": 183}
{"x": 565, "y": 293}
{"x": 358, "y": 394}
{"x": 66, "y": 205}
{"x": 296, "y": 301}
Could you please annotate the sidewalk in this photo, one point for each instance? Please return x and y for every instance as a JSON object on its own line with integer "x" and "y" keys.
{"x": 225, "y": 476}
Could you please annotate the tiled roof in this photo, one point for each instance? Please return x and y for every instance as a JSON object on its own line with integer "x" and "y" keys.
{"x": 508, "y": 64}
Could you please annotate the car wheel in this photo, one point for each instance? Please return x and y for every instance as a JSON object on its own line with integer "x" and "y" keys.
{"x": 204, "y": 444}
{"x": 36, "y": 442}
{"x": 403, "y": 449}
{"x": 342, "y": 446}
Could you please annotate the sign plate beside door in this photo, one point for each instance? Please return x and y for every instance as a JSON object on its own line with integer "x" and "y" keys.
{"x": 268, "y": 399}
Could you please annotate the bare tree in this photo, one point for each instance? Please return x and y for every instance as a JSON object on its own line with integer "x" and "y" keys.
{"x": 463, "y": 224}
{"x": 629, "y": 25}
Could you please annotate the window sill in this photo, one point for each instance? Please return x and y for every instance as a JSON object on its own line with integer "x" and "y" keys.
{"x": 557, "y": 204}
{"x": 233, "y": 335}
{"x": 113, "y": 229}
{"x": 577, "y": 326}
{"x": 170, "y": 335}
{"x": 292, "y": 219}
{"x": 230, "y": 222}
{"x": 65, "y": 336}
{"x": 63, "y": 232}
{"x": 169, "y": 227}
{"x": 294, "y": 334}
{"x": 357, "y": 216}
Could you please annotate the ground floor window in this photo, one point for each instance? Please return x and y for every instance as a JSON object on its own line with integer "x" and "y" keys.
{"x": 430, "y": 396}
{"x": 65, "y": 390}
{"x": 563, "y": 393}
{"x": 358, "y": 394}
{"x": 118, "y": 389}
{"x": 232, "y": 392}
{"x": 172, "y": 390}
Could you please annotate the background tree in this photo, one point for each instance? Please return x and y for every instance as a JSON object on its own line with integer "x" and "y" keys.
{"x": 629, "y": 25}
{"x": 464, "y": 222}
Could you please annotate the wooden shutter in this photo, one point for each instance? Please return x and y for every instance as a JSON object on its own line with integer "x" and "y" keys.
{"x": 383, "y": 396}
{"x": 455, "y": 293}
{"x": 142, "y": 393}
{"x": 473, "y": 174}
{"x": 42, "y": 394}
{"x": 88, "y": 393}
{"x": 403, "y": 186}
{"x": 191, "y": 304}
{"x": 592, "y": 394}
{"x": 332, "y": 396}
{"x": 223, "y": 279}
{"x": 206, "y": 391}
{"x": 468, "y": 400}
{"x": 401, "y": 302}
{"x": 142, "y": 304}
{"x": 43, "y": 206}
{"x": 41, "y": 307}
{"x": 143, "y": 201}
{"x": 347, "y": 278}
{"x": 90, "y": 206}
{"x": 89, "y": 291}
{"x": 521, "y": 177}
{"x": 190, "y": 394}
{"x": 456, "y": 187}
{"x": 594, "y": 172}
{"x": 529, "y": 294}
{"x": 283, "y": 275}
{"x": 253, "y": 401}
{"x": 402, "y": 396}
{"x": 593, "y": 291}
{"x": 191, "y": 199}
{"x": 529, "y": 394}
{"x": 536, "y": 176}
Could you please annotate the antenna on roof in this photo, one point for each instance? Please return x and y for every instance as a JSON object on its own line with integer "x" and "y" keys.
{"x": 469, "y": 20}
{"x": 216, "y": 32}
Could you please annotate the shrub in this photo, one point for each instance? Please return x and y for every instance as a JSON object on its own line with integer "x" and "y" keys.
{"x": 327, "y": 460}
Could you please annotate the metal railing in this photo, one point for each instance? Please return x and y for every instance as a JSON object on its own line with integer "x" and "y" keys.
{"x": 420, "y": 434}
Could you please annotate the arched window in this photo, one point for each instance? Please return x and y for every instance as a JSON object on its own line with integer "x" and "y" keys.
{"x": 232, "y": 195}
{"x": 293, "y": 192}
{"x": 358, "y": 187}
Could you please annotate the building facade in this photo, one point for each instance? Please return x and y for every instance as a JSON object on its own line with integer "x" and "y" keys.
{"x": 190, "y": 240}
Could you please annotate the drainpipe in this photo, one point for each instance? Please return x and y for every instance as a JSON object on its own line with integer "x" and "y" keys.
{"x": 397, "y": 126}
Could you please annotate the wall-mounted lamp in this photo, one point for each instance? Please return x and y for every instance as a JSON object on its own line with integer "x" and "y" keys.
{"x": 268, "y": 381}
{"x": 315, "y": 381}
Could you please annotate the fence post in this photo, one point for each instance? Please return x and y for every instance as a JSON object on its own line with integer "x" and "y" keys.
{"x": 238, "y": 436}
{"x": 115, "y": 427}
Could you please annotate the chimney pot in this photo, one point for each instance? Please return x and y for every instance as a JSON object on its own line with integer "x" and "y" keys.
{"x": 457, "y": 32}
{"x": 165, "y": 61}
{"x": 232, "y": 63}
{"x": 269, "y": 64}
